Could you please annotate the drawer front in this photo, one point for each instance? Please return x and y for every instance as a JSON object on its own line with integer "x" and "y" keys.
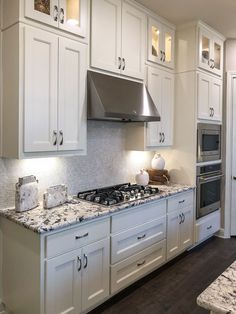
{"x": 66, "y": 241}
{"x": 208, "y": 226}
{"x": 136, "y": 239}
{"x": 135, "y": 267}
{"x": 180, "y": 201}
{"x": 138, "y": 216}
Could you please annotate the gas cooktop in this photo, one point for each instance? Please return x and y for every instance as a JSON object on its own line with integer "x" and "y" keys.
{"x": 118, "y": 194}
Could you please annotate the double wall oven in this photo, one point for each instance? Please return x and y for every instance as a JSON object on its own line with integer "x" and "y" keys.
{"x": 209, "y": 170}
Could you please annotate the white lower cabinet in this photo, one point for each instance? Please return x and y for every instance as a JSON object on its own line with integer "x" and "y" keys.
{"x": 206, "y": 226}
{"x": 179, "y": 226}
{"x": 136, "y": 266}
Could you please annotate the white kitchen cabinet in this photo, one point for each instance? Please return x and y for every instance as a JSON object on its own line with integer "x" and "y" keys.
{"x": 209, "y": 97}
{"x": 122, "y": 28}
{"x": 179, "y": 224}
{"x": 207, "y": 226}
{"x": 69, "y": 15}
{"x": 64, "y": 284}
{"x": 51, "y": 113}
{"x": 210, "y": 51}
{"x": 161, "y": 40}
{"x": 161, "y": 89}
{"x": 199, "y": 46}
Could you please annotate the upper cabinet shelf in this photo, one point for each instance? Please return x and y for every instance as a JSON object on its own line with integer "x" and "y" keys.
{"x": 118, "y": 33}
{"x": 161, "y": 39}
{"x": 67, "y": 15}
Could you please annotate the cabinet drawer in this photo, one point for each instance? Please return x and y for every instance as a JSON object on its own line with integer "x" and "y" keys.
{"x": 136, "y": 239}
{"x": 131, "y": 269}
{"x": 138, "y": 216}
{"x": 66, "y": 241}
{"x": 180, "y": 201}
{"x": 207, "y": 226}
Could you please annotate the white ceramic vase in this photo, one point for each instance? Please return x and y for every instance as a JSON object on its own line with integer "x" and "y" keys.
{"x": 158, "y": 162}
{"x": 142, "y": 178}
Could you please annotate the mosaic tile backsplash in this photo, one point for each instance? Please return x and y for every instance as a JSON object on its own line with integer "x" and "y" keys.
{"x": 107, "y": 163}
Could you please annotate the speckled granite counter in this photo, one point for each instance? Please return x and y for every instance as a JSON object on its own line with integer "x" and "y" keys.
{"x": 76, "y": 211}
{"x": 220, "y": 296}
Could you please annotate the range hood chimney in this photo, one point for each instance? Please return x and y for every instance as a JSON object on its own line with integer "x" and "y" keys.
{"x": 116, "y": 99}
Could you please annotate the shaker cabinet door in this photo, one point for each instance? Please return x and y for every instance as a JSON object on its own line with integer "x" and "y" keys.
{"x": 204, "y": 96}
{"x": 187, "y": 228}
{"x": 72, "y": 102}
{"x": 133, "y": 41}
{"x": 96, "y": 273}
{"x": 40, "y": 89}
{"x": 106, "y": 35}
{"x": 173, "y": 234}
{"x": 64, "y": 284}
{"x": 217, "y": 99}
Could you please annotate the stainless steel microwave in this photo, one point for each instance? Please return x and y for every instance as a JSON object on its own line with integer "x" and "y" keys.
{"x": 208, "y": 142}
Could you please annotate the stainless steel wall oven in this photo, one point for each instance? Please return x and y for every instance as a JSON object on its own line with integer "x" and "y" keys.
{"x": 209, "y": 179}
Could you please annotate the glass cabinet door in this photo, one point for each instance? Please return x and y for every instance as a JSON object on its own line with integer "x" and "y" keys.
{"x": 45, "y": 11}
{"x": 154, "y": 42}
{"x": 73, "y": 16}
{"x": 205, "y": 46}
{"x": 217, "y": 56}
{"x": 168, "y": 51}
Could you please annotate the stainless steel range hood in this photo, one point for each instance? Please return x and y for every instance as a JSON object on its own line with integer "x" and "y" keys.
{"x": 116, "y": 99}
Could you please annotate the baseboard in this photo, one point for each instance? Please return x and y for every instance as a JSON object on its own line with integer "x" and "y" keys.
{"x": 221, "y": 234}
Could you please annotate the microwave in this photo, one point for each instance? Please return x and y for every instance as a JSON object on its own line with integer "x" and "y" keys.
{"x": 208, "y": 142}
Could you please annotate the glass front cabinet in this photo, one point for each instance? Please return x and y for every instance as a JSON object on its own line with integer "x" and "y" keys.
{"x": 69, "y": 15}
{"x": 160, "y": 43}
{"x": 210, "y": 52}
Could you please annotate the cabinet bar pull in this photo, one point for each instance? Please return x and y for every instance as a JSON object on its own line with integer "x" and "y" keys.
{"x": 79, "y": 264}
{"x": 213, "y": 112}
{"x": 163, "y": 137}
{"x": 55, "y": 138}
{"x": 208, "y": 228}
{"x": 181, "y": 202}
{"x": 164, "y": 56}
{"x": 62, "y": 16}
{"x": 82, "y": 236}
{"x": 62, "y": 139}
{"x": 161, "y": 54}
{"x": 86, "y": 261}
{"x": 55, "y": 13}
{"x": 141, "y": 264}
{"x": 141, "y": 237}
{"x": 124, "y": 65}
{"x": 160, "y": 135}
{"x": 119, "y": 60}
{"x": 181, "y": 219}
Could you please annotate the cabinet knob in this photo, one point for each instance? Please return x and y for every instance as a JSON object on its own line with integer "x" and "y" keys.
{"x": 209, "y": 227}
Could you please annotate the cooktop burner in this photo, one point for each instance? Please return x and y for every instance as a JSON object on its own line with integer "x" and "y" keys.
{"x": 118, "y": 194}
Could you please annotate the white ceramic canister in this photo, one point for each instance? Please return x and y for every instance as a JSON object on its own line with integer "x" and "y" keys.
{"x": 158, "y": 162}
{"x": 142, "y": 178}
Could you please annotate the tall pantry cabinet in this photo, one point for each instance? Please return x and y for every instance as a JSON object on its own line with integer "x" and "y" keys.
{"x": 44, "y": 106}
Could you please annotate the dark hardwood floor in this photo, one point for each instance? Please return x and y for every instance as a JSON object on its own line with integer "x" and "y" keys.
{"x": 173, "y": 289}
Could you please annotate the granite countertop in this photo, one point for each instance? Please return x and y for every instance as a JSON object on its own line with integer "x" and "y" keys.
{"x": 75, "y": 211}
{"x": 220, "y": 296}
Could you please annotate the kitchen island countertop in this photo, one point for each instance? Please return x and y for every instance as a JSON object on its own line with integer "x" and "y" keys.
{"x": 42, "y": 220}
{"x": 220, "y": 296}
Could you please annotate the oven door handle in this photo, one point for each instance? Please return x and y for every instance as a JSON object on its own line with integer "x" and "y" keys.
{"x": 208, "y": 179}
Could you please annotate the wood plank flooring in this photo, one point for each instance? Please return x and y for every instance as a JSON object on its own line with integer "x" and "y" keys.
{"x": 173, "y": 289}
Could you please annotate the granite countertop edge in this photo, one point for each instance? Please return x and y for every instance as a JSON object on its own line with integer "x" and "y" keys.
{"x": 220, "y": 296}
{"x": 76, "y": 211}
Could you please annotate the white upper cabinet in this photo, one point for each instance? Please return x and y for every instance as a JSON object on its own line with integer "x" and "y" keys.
{"x": 161, "y": 40}
{"x": 210, "y": 51}
{"x": 106, "y": 25}
{"x": 161, "y": 89}
{"x": 122, "y": 30}
{"x": 209, "y": 97}
{"x": 68, "y": 15}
